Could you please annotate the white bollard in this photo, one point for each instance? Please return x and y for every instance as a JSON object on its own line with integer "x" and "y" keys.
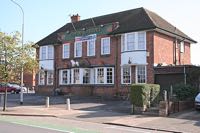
{"x": 68, "y": 104}
{"x": 47, "y": 102}
{"x": 165, "y": 95}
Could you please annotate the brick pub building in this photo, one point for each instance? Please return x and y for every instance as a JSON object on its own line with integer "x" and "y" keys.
{"x": 104, "y": 55}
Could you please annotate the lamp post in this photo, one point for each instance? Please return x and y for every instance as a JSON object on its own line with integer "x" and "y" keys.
{"x": 22, "y": 67}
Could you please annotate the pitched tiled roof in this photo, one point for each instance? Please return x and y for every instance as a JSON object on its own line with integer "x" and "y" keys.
{"x": 129, "y": 21}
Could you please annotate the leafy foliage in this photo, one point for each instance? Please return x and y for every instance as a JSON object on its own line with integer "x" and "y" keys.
{"x": 143, "y": 94}
{"x": 16, "y": 57}
{"x": 185, "y": 92}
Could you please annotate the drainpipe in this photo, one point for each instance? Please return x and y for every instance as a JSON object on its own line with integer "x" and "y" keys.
{"x": 185, "y": 76}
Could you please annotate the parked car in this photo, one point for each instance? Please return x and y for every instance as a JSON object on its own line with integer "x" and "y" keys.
{"x": 4, "y": 86}
{"x": 18, "y": 87}
{"x": 197, "y": 102}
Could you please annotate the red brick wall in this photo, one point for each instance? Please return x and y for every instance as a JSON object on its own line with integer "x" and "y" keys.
{"x": 164, "y": 50}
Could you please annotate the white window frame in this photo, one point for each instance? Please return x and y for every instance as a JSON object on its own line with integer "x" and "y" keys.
{"x": 79, "y": 76}
{"x": 48, "y": 77}
{"x": 61, "y": 77}
{"x": 122, "y": 74}
{"x": 124, "y": 41}
{"x": 104, "y": 45}
{"x": 104, "y": 75}
{"x": 89, "y": 76}
{"x": 136, "y": 71}
{"x": 39, "y": 78}
{"x": 66, "y": 50}
{"x": 89, "y": 43}
{"x": 46, "y": 52}
{"x": 182, "y": 47}
{"x": 75, "y": 49}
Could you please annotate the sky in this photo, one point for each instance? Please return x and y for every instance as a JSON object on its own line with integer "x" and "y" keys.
{"x": 42, "y": 17}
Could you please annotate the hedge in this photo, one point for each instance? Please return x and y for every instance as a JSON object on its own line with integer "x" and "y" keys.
{"x": 143, "y": 94}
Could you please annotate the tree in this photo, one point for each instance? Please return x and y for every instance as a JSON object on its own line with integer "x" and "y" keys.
{"x": 16, "y": 57}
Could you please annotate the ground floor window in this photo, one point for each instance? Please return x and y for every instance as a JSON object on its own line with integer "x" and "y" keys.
{"x": 49, "y": 77}
{"x": 102, "y": 75}
{"x": 86, "y": 76}
{"x": 126, "y": 75}
{"x": 141, "y": 74}
{"x": 41, "y": 78}
{"x": 64, "y": 77}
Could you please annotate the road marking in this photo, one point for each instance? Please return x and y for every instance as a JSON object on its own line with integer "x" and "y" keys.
{"x": 123, "y": 129}
{"x": 60, "y": 130}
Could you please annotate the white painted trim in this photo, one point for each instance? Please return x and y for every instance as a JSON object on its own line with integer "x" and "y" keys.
{"x": 68, "y": 55}
{"x": 102, "y": 45}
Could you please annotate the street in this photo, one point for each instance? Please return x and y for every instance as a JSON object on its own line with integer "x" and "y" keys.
{"x": 89, "y": 115}
{"x": 11, "y": 124}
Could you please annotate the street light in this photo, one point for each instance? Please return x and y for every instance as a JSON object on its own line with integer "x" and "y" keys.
{"x": 22, "y": 68}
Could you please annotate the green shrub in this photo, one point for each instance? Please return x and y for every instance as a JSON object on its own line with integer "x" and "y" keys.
{"x": 185, "y": 92}
{"x": 154, "y": 92}
{"x": 143, "y": 94}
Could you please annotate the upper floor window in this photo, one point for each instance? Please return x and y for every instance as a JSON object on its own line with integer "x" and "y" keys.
{"x": 78, "y": 49}
{"x": 105, "y": 45}
{"x": 126, "y": 75}
{"x": 46, "y": 52}
{"x": 182, "y": 47}
{"x": 133, "y": 41}
{"x": 141, "y": 74}
{"x": 66, "y": 50}
{"x": 91, "y": 47}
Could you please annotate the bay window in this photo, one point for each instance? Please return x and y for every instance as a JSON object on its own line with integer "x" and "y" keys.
{"x": 126, "y": 75}
{"x": 49, "y": 77}
{"x": 76, "y": 76}
{"x": 41, "y": 78}
{"x": 46, "y": 52}
{"x": 141, "y": 74}
{"x": 86, "y": 76}
{"x": 104, "y": 75}
{"x": 64, "y": 76}
{"x": 133, "y": 41}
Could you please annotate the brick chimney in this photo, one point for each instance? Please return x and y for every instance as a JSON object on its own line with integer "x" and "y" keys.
{"x": 75, "y": 18}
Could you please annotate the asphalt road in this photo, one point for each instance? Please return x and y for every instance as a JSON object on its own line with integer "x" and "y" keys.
{"x": 12, "y": 124}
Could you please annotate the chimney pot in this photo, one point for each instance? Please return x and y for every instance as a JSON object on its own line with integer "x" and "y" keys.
{"x": 75, "y": 18}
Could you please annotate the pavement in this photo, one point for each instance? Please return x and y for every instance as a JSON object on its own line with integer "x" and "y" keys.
{"x": 107, "y": 112}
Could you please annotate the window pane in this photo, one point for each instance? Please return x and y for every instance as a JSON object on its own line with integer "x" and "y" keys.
{"x": 50, "y": 52}
{"x": 109, "y": 75}
{"x": 43, "y": 52}
{"x": 42, "y": 78}
{"x": 141, "y": 74}
{"x": 66, "y": 51}
{"x": 141, "y": 40}
{"x": 86, "y": 76}
{"x": 91, "y": 47}
{"x": 76, "y": 76}
{"x": 131, "y": 41}
{"x": 105, "y": 45}
{"x": 78, "y": 49}
{"x": 64, "y": 77}
{"x": 126, "y": 75}
{"x": 49, "y": 78}
{"x": 100, "y": 75}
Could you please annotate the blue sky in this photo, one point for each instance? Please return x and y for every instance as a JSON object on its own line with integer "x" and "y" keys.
{"x": 42, "y": 17}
